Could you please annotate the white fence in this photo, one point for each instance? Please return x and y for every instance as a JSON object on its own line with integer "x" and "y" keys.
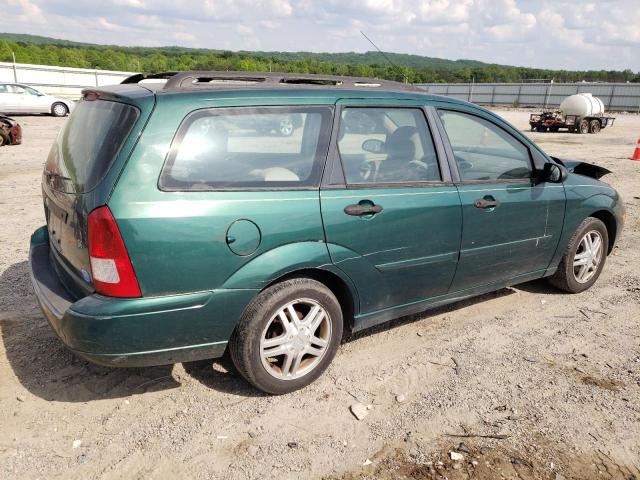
{"x": 61, "y": 81}
{"x": 616, "y": 96}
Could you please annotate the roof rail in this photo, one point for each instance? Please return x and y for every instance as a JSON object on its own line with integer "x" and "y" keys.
{"x": 195, "y": 80}
{"x": 138, "y": 77}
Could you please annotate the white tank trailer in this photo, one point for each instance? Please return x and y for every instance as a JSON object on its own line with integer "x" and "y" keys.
{"x": 580, "y": 113}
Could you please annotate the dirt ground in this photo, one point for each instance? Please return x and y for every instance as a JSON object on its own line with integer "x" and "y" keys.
{"x": 535, "y": 384}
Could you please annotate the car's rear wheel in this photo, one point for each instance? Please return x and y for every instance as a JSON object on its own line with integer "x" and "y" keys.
{"x": 594, "y": 126}
{"x": 584, "y": 258}
{"x": 59, "y": 109}
{"x": 287, "y": 336}
{"x": 4, "y": 140}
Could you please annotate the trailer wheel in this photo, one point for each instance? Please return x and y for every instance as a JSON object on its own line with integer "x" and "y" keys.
{"x": 583, "y": 126}
{"x": 594, "y": 126}
{"x": 553, "y": 129}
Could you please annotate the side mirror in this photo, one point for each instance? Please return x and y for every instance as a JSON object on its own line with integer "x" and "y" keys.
{"x": 373, "y": 145}
{"x": 553, "y": 173}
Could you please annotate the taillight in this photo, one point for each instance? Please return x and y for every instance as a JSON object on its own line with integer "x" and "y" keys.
{"x": 111, "y": 267}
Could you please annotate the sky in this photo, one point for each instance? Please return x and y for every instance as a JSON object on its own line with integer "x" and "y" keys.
{"x": 559, "y": 34}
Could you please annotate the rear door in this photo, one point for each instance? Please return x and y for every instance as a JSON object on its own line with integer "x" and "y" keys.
{"x": 511, "y": 223}
{"x": 391, "y": 215}
{"x": 9, "y": 99}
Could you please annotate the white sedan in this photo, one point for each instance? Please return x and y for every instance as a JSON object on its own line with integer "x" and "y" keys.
{"x": 18, "y": 98}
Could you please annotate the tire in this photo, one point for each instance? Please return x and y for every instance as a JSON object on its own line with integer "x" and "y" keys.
{"x": 4, "y": 140}
{"x": 594, "y": 126}
{"x": 567, "y": 277}
{"x": 59, "y": 109}
{"x": 583, "y": 126}
{"x": 261, "y": 330}
{"x": 285, "y": 127}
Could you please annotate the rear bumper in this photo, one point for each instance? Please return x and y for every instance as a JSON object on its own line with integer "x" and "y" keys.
{"x": 134, "y": 332}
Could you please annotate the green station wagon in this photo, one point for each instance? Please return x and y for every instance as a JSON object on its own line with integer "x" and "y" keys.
{"x": 182, "y": 224}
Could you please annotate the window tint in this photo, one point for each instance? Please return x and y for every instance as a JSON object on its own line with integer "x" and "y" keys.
{"x": 88, "y": 144}
{"x": 249, "y": 148}
{"x": 3, "y": 89}
{"x": 484, "y": 151}
{"x": 387, "y": 145}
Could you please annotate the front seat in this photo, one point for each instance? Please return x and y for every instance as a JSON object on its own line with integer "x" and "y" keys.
{"x": 401, "y": 150}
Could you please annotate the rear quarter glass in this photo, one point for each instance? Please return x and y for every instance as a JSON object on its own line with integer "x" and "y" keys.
{"x": 249, "y": 148}
{"x": 87, "y": 146}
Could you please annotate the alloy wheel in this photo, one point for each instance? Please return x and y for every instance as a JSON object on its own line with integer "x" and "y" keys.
{"x": 295, "y": 339}
{"x": 588, "y": 256}
{"x": 286, "y": 127}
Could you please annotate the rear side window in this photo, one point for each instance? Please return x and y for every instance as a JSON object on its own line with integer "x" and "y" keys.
{"x": 265, "y": 147}
{"x": 484, "y": 151}
{"x": 88, "y": 144}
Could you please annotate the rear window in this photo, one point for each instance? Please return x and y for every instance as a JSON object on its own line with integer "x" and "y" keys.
{"x": 88, "y": 144}
{"x": 265, "y": 147}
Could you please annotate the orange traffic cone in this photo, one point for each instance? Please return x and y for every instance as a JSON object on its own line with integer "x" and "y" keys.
{"x": 636, "y": 152}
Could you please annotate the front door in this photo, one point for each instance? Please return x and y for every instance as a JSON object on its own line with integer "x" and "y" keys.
{"x": 511, "y": 224}
{"x": 393, "y": 219}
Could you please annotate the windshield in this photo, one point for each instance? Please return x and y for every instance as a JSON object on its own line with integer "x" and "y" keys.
{"x": 88, "y": 144}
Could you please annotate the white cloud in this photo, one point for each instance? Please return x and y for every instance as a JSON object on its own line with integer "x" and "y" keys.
{"x": 545, "y": 33}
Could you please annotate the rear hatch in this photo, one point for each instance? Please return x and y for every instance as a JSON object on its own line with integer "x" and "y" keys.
{"x": 76, "y": 180}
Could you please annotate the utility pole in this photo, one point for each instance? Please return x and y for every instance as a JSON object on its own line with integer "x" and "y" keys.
{"x": 15, "y": 71}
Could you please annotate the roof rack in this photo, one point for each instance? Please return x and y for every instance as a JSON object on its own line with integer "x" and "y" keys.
{"x": 195, "y": 80}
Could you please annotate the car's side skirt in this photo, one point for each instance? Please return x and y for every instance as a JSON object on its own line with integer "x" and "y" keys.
{"x": 380, "y": 316}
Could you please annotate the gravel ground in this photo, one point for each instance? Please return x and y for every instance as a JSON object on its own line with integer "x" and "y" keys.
{"x": 534, "y": 383}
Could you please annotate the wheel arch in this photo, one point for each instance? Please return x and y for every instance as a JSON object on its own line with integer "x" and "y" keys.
{"x": 609, "y": 220}
{"x": 344, "y": 292}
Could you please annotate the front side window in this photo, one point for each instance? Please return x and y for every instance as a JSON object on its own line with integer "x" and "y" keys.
{"x": 265, "y": 147}
{"x": 484, "y": 151}
{"x": 387, "y": 145}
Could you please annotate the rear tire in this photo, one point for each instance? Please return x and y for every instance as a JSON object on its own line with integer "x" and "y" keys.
{"x": 594, "y": 126}
{"x": 579, "y": 269}
{"x": 59, "y": 109}
{"x": 4, "y": 140}
{"x": 279, "y": 353}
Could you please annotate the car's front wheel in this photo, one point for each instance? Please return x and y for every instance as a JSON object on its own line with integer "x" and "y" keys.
{"x": 59, "y": 109}
{"x": 584, "y": 258}
{"x": 287, "y": 336}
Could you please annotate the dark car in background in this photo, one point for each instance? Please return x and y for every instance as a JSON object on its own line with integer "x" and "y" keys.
{"x": 10, "y": 131}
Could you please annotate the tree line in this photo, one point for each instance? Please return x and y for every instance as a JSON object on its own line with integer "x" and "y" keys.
{"x": 413, "y": 68}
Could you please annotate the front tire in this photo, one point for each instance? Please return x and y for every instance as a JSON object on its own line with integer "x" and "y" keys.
{"x": 584, "y": 258}
{"x": 287, "y": 336}
{"x": 59, "y": 109}
{"x": 583, "y": 127}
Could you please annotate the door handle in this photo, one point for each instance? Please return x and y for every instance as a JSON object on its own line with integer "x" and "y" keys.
{"x": 486, "y": 203}
{"x": 358, "y": 210}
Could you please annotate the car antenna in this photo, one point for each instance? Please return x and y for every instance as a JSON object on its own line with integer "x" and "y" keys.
{"x": 406, "y": 79}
